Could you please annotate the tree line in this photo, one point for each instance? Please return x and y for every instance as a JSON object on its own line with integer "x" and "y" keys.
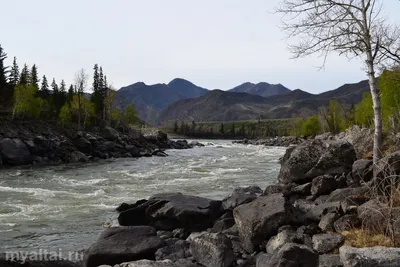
{"x": 231, "y": 130}
{"x": 24, "y": 95}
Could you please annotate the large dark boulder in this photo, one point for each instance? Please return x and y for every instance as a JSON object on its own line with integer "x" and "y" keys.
{"x": 314, "y": 158}
{"x": 259, "y": 220}
{"x": 179, "y": 250}
{"x": 174, "y": 210}
{"x": 83, "y": 145}
{"x": 110, "y": 133}
{"x": 123, "y": 244}
{"x": 212, "y": 250}
{"x": 361, "y": 172}
{"x": 370, "y": 257}
{"x": 14, "y": 152}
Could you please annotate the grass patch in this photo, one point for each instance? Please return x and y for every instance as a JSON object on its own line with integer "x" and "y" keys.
{"x": 361, "y": 238}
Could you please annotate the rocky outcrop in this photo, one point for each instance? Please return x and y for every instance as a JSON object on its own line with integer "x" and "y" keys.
{"x": 42, "y": 142}
{"x": 325, "y": 243}
{"x": 314, "y": 158}
{"x": 284, "y": 141}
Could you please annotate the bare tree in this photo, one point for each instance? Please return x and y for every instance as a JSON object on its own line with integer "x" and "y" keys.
{"x": 81, "y": 82}
{"x": 354, "y": 28}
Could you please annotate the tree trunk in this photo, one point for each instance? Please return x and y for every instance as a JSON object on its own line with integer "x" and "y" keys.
{"x": 376, "y": 101}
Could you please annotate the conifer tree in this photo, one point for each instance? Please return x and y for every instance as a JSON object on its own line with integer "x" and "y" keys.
{"x": 4, "y": 88}
{"x": 54, "y": 86}
{"x": 25, "y": 76}
{"x": 44, "y": 88}
{"x": 70, "y": 94}
{"x": 14, "y": 74}
{"x": 34, "y": 81}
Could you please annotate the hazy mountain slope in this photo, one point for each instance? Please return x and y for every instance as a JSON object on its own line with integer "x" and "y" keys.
{"x": 262, "y": 89}
{"x": 151, "y": 99}
{"x": 226, "y": 105}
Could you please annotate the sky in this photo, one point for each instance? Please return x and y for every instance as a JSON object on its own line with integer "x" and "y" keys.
{"x": 216, "y": 44}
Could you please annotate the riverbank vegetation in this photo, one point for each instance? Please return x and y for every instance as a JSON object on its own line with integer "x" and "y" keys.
{"x": 24, "y": 95}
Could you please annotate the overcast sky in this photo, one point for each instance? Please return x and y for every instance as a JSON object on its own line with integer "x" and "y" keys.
{"x": 213, "y": 43}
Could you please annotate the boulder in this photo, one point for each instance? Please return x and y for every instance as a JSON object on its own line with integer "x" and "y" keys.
{"x": 259, "y": 220}
{"x": 346, "y": 223}
{"x": 83, "y": 145}
{"x": 314, "y": 158}
{"x": 277, "y": 242}
{"x": 325, "y": 243}
{"x": 145, "y": 263}
{"x": 303, "y": 190}
{"x": 362, "y": 139}
{"x": 290, "y": 255}
{"x": 110, "y": 133}
{"x": 77, "y": 156}
{"x": 370, "y": 257}
{"x": 225, "y": 222}
{"x": 241, "y": 196}
{"x": 212, "y": 250}
{"x": 323, "y": 185}
{"x": 327, "y": 221}
{"x": 123, "y": 244}
{"x": 362, "y": 171}
{"x": 344, "y": 193}
{"x": 174, "y": 210}
{"x": 313, "y": 212}
{"x": 329, "y": 260}
{"x": 179, "y": 250}
{"x": 14, "y": 152}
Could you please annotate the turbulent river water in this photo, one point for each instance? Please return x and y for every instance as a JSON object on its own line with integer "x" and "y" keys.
{"x": 65, "y": 207}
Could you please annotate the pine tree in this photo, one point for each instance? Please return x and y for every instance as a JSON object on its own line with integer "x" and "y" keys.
{"x": 14, "y": 74}
{"x": 25, "y": 76}
{"x": 70, "y": 95}
{"x": 54, "y": 86}
{"x": 3, "y": 70}
{"x": 96, "y": 96}
{"x": 63, "y": 87}
{"x": 222, "y": 129}
{"x": 4, "y": 88}
{"x": 44, "y": 88}
{"x": 34, "y": 77}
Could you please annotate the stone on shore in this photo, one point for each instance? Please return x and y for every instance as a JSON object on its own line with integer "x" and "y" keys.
{"x": 123, "y": 244}
{"x": 325, "y": 243}
{"x": 14, "y": 152}
{"x": 370, "y": 257}
{"x": 259, "y": 220}
{"x": 212, "y": 250}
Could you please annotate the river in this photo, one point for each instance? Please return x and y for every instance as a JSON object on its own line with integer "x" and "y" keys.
{"x": 66, "y": 207}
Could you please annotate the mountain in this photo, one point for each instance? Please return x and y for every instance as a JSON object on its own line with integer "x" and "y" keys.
{"x": 149, "y": 100}
{"x": 229, "y": 106}
{"x": 261, "y": 89}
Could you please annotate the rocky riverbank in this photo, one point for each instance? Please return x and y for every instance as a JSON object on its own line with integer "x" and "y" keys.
{"x": 44, "y": 142}
{"x": 323, "y": 191}
{"x": 284, "y": 141}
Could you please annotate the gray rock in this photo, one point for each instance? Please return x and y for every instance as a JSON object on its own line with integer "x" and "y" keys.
{"x": 83, "y": 145}
{"x": 327, "y": 221}
{"x": 343, "y": 193}
{"x": 314, "y": 212}
{"x": 370, "y": 257}
{"x": 329, "y": 260}
{"x": 314, "y": 158}
{"x": 361, "y": 172}
{"x": 282, "y": 238}
{"x": 304, "y": 189}
{"x": 259, "y": 220}
{"x": 212, "y": 250}
{"x": 273, "y": 189}
{"x": 179, "y": 250}
{"x": 325, "y": 243}
{"x": 180, "y": 233}
{"x": 123, "y": 244}
{"x": 77, "y": 156}
{"x": 323, "y": 185}
{"x": 110, "y": 134}
{"x": 147, "y": 263}
{"x": 347, "y": 222}
{"x": 14, "y": 152}
{"x": 241, "y": 196}
{"x": 290, "y": 255}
